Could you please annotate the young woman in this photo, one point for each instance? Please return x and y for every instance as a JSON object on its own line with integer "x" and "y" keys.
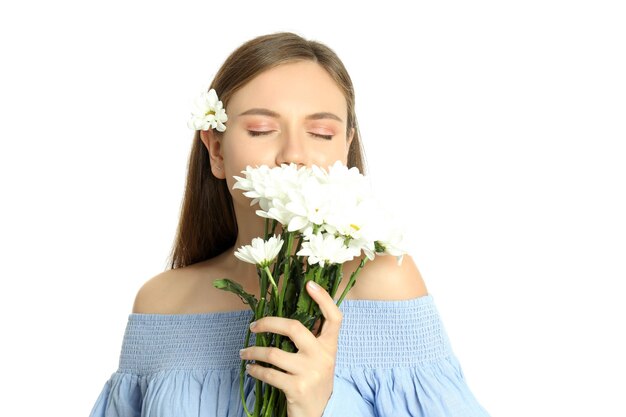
{"x": 384, "y": 352}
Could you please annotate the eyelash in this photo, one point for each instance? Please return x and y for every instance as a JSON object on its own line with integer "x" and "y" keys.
{"x": 260, "y": 133}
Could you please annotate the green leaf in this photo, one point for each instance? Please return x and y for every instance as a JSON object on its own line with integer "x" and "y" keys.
{"x": 287, "y": 345}
{"x": 296, "y": 268}
{"x": 324, "y": 281}
{"x": 336, "y": 275}
{"x": 304, "y": 299}
{"x": 229, "y": 285}
{"x": 289, "y": 303}
{"x": 304, "y": 318}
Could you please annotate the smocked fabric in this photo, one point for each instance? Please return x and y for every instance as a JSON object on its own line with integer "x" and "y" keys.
{"x": 394, "y": 358}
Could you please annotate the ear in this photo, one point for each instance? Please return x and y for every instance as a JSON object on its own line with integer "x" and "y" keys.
{"x": 213, "y": 145}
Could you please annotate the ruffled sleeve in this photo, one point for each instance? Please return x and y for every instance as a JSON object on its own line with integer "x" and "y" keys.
{"x": 178, "y": 365}
{"x": 121, "y": 396}
{"x": 394, "y": 359}
{"x": 123, "y": 393}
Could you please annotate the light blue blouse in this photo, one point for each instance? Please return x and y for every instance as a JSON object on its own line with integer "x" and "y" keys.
{"x": 394, "y": 359}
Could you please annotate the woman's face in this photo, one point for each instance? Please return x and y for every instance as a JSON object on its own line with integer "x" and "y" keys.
{"x": 293, "y": 113}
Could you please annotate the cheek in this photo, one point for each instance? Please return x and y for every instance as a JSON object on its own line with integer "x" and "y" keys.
{"x": 337, "y": 152}
{"x": 342, "y": 147}
{"x": 238, "y": 155}
{"x": 344, "y": 150}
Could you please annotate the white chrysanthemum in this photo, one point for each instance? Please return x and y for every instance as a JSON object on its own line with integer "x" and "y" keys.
{"x": 311, "y": 204}
{"x": 349, "y": 217}
{"x": 392, "y": 243}
{"x": 260, "y": 252}
{"x": 284, "y": 193}
{"x": 325, "y": 248}
{"x": 350, "y": 183}
{"x": 264, "y": 185}
{"x": 387, "y": 235}
{"x": 335, "y": 202}
{"x": 276, "y": 212}
{"x": 348, "y": 178}
{"x": 208, "y": 113}
{"x": 367, "y": 246}
{"x": 348, "y": 194}
{"x": 357, "y": 222}
{"x": 253, "y": 183}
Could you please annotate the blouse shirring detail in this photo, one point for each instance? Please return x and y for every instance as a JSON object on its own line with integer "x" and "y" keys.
{"x": 394, "y": 359}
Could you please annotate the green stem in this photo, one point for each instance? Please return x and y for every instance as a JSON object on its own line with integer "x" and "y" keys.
{"x": 259, "y": 342}
{"x": 242, "y": 371}
{"x": 270, "y": 403}
{"x": 316, "y": 278}
{"x": 266, "y": 403}
{"x": 266, "y": 275}
{"x": 286, "y": 270}
{"x": 283, "y": 403}
{"x": 284, "y": 282}
{"x": 337, "y": 275}
{"x": 274, "y": 286}
{"x": 351, "y": 281}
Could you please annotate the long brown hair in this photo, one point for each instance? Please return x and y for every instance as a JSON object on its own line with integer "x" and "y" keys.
{"x": 207, "y": 225}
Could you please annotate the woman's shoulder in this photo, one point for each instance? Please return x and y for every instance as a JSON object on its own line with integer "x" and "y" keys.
{"x": 185, "y": 290}
{"x": 158, "y": 294}
{"x": 189, "y": 290}
{"x": 383, "y": 279}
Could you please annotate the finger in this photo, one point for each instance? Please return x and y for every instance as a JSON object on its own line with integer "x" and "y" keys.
{"x": 271, "y": 376}
{"x": 300, "y": 335}
{"x": 286, "y": 361}
{"x": 332, "y": 315}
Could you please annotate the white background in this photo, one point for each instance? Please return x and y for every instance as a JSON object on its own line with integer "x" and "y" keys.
{"x": 495, "y": 129}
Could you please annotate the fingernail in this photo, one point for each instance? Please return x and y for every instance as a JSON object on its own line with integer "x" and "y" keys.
{"x": 252, "y": 325}
{"x": 313, "y": 285}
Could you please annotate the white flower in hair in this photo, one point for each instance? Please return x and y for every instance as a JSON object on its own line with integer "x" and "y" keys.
{"x": 209, "y": 113}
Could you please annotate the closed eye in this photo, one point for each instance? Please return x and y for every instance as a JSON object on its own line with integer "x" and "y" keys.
{"x": 259, "y": 132}
{"x": 327, "y": 137}
{"x": 267, "y": 132}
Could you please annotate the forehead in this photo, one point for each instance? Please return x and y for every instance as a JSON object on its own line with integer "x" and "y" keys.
{"x": 289, "y": 88}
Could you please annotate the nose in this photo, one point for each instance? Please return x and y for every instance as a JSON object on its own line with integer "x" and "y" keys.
{"x": 292, "y": 150}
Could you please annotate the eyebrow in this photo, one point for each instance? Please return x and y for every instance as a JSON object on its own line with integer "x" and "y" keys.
{"x": 271, "y": 113}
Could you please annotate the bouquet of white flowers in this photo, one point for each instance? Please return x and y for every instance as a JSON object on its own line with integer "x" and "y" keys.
{"x": 327, "y": 217}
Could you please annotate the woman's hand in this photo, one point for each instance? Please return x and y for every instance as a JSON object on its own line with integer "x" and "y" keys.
{"x": 308, "y": 380}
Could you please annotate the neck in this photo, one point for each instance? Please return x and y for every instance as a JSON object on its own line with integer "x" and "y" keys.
{"x": 249, "y": 226}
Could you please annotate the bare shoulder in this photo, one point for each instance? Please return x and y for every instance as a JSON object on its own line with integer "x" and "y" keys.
{"x": 175, "y": 291}
{"x": 189, "y": 290}
{"x": 155, "y": 295}
{"x": 382, "y": 279}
